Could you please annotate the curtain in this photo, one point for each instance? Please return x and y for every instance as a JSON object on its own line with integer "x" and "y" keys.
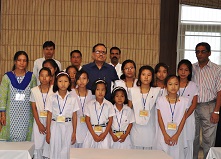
{"x": 168, "y": 33}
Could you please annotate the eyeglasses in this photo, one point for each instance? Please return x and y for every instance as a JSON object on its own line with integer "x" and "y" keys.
{"x": 100, "y": 52}
{"x": 201, "y": 51}
{"x": 130, "y": 68}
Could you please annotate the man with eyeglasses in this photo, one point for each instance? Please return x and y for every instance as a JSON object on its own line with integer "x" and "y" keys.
{"x": 207, "y": 76}
{"x": 115, "y": 54}
{"x": 99, "y": 69}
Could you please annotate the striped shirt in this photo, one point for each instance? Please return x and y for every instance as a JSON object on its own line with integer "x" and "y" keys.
{"x": 208, "y": 80}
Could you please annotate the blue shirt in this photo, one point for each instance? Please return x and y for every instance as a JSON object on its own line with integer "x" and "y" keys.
{"x": 107, "y": 73}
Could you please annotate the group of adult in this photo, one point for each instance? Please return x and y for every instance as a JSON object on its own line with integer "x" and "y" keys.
{"x": 16, "y": 113}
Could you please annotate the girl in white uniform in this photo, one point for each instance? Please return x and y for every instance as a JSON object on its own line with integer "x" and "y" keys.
{"x": 189, "y": 90}
{"x": 122, "y": 121}
{"x": 142, "y": 99}
{"x": 38, "y": 99}
{"x": 83, "y": 95}
{"x": 161, "y": 72}
{"x": 61, "y": 118}
{"x": 99, "y": 116}
{"x": 128, "y": 78}
{"x": 171, "y": 111}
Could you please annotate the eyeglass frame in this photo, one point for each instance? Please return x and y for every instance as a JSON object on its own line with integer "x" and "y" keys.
{"x": 201, "y": 51}
{"x": 100, "y": 52}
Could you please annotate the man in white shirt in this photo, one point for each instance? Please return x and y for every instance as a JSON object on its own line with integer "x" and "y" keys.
{"x": 48, "y": 51}
{"x": 207, "y": 75}
{"x": 115, "y": 54}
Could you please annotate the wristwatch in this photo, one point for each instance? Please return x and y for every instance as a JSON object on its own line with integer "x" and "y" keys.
{"x": 216, "y": 112}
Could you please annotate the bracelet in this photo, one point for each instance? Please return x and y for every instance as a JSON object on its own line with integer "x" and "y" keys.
{"x": 216, "y": 112}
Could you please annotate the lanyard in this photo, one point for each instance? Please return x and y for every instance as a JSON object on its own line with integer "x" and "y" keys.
{"x": 61, "y": 111}
{"x": 98, "y": 117}
{"x": 44, "y": 99}
{"x": 183, "y": 89}
{"x": 82, "y": 104}
{"x": 119, "y": 123}
{"x": 162, "y": 90}
{"x": 144, "y": 101}
{"x": 172, "y": 112}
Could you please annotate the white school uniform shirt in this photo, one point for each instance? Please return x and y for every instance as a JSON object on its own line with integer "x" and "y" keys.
{"x": 107, "y": 111}
{"x": 90, "y": 111}
{"x": 68, "y": 108}
{"x": 122, "y": 83}
{"x": 176, "y": 151}
{"x": 38, "y": 65}
{"x": 123, "y": 118}
{"x": 81, "y": 127}
{"x": 189, "y": 92}
{"x": 135, "y": 96}
{"x": 120, "y": 123}
{"x": 144, "y": 128}
{"x": 163, "y": 92}
{"x": 60, "y": 132}
{"x": 37, "y": 97}
{"x": 118, "y": 69}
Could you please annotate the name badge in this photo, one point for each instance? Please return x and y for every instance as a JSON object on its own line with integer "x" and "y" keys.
{"x": 20, "y": 97}
{"x": 43, "y": 114}
{"x": 98, "y": 129}
{"x": 82, "y": 119}
{"x": 118, "y": 134}
{"x": 60, "y": 119}
{"x": 171, "y": 126}
{"x": 144, "y": 113}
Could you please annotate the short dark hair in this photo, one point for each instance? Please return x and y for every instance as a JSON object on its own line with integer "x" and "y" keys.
{"x": 117, "y": 89}
{"x": 123, "y": 65}
{"x": 76, "y": 51}
{"x": 60, "y": 74}
{"x": 145, "y": 67}
{"x": 169, "y": 77}
{"x": 45, "y": 69}
{"x": 49, "y": 44}
{"x": 205, "y": 44}
{"x": 18, "y": 53}
{"x": 157, "y": 67}
{"x": 79, "y": 73}
{"x": 115, "y": 48}
{"x": 53, "y": 64}
{"x": 98, "y": 44}
{"x": 94, "y": 85}
{"x": 189, "y": 65}
{"x": 71, "y": 66}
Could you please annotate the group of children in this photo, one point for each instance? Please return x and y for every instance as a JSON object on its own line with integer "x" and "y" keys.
{"x": 148, "y": 116}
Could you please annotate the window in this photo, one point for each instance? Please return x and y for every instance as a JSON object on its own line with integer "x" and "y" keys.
{"x": 198, "y": 24}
